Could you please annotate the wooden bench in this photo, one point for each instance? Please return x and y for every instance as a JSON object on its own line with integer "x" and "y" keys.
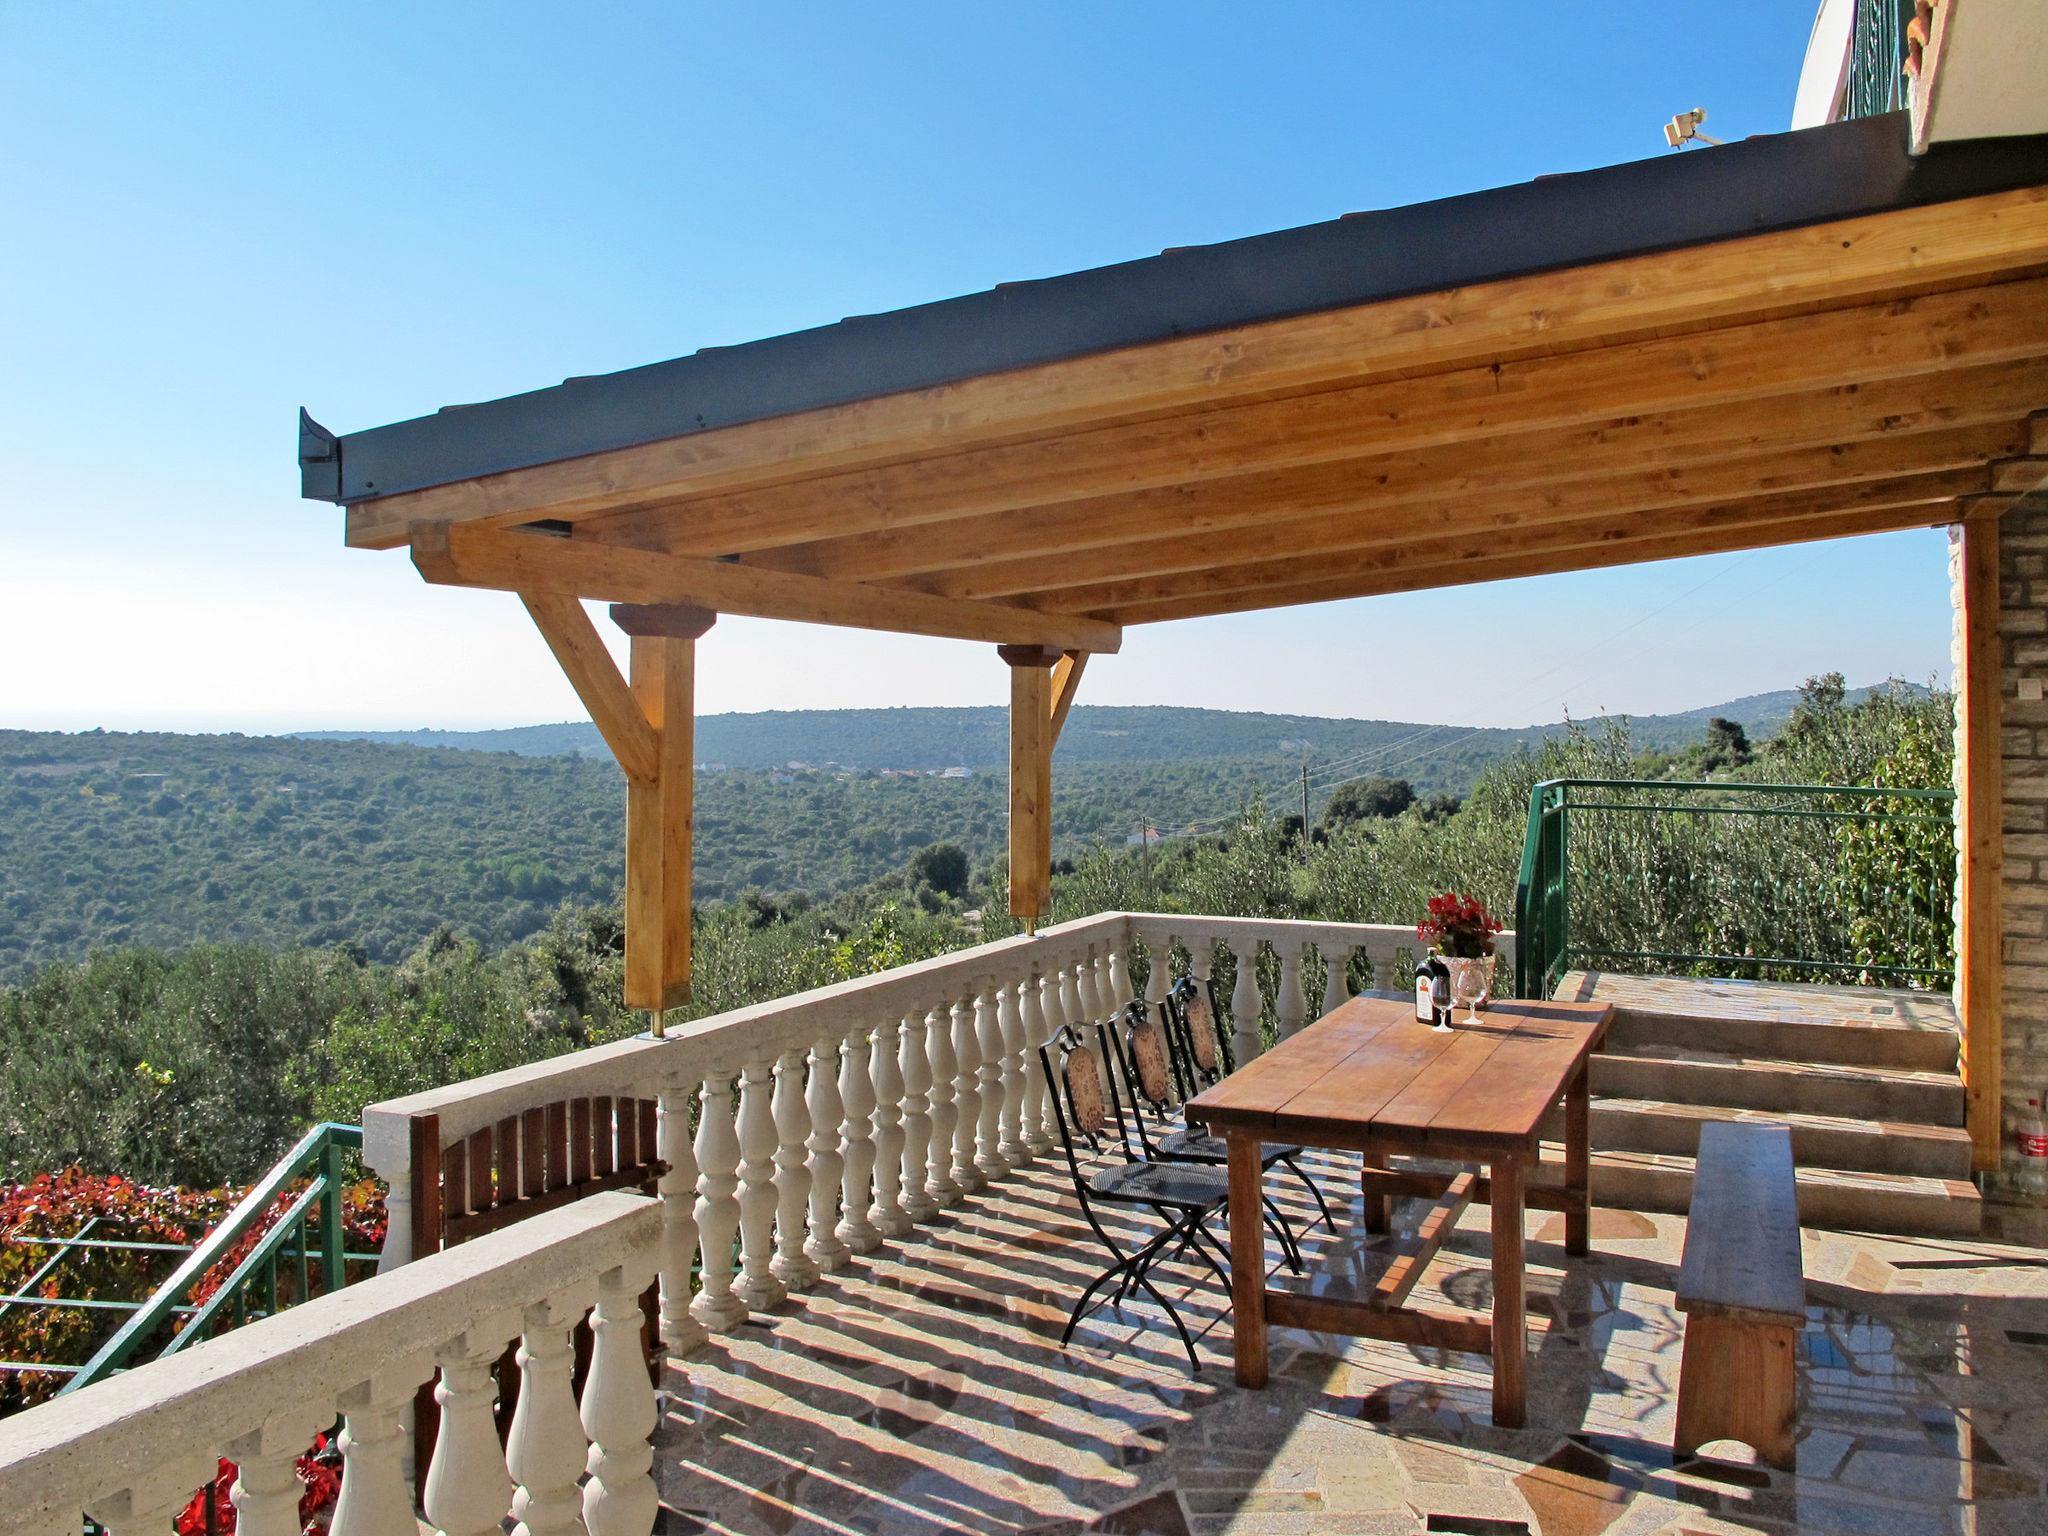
{"x": 1743, "y": 1290}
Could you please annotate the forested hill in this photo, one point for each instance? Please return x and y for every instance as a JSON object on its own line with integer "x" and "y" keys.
{"x": 979, "y": 738}
{"x": 167, "y": 839}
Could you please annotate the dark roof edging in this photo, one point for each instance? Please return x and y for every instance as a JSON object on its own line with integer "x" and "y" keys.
{"x": 1781, "y": 181}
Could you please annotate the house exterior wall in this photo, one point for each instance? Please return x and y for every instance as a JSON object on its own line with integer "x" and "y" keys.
{"x": 2023, "y": 679}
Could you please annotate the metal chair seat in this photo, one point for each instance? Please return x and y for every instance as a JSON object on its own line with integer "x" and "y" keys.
{"x": 1201, "y": 1147}
{"x": 1176, "y": 1186}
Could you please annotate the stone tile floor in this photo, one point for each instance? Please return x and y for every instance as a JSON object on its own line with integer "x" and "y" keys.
{"x": 923, "y": 1389}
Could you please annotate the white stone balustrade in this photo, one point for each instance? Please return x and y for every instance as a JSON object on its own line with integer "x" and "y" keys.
{"x": 806, "y": 1130}
{"x": 130, "y": 1452}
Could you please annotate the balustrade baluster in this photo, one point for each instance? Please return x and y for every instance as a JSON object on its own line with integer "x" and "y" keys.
{"x": 468, "y": 1488}
{"x": 618, "y": 1415}
{"x": 1116, "y": 978}
{"x": 718, "y": 1206}
{"x": 1088, "y": 992}
{"x": 989, "y": 1162}
{"x": 857, "y": 1135}
{"x": 822, "y": 1246}
{"x": 375, "y": 1500}
{"x": 266, "y": 1488}
{"x": 1290, "y": 1005}
{"x": 1244, "y": 1002}
{"x": 545, "y": 1450}
{"x": 891, "y": 1101}
{"x": 1336, "y": 976}
{"x": 1010, "y": 1139}
{"x": 914, "y": 1060}
{"x": 678, "y": 1190}
{"x": 1040, "y": 1005}
{"x": 757, "y": 1285}
{"x": 1202, "y": 961}
{"x": 136, "y": 1513}
{"x": 945, "y": 1110}
{"x": 967, "y": 1075}
{"x": 792, "y": 1263}
{"x": 1158, "y": 965}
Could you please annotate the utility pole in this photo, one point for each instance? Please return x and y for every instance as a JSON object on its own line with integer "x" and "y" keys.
{"x": 1304, "y": 813}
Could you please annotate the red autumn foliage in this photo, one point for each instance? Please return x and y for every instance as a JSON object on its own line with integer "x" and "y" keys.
{"x": 37, "y": 1212}
{"x": 319, "y": 1488}
{"x": 1459, "y": 925}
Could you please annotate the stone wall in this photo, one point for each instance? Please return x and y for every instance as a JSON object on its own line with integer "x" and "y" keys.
{"x": 2023, "y": 624}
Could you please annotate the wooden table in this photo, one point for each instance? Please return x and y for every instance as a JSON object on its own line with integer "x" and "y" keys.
{"x": 1368, "y": 1078}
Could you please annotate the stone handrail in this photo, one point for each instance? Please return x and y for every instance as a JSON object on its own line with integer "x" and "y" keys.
{"x": 797, "y": 1132}
{"x": 130, "y": 1452}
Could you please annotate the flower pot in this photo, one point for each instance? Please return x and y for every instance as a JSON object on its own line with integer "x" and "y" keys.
{"x": 1471, "y": 980}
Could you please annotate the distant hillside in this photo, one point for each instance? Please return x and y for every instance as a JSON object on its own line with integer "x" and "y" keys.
{"x": 166, "y": 839}
{"x": 979, "y": 737}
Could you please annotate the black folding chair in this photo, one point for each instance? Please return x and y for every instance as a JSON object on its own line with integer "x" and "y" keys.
{"x": 1201, "y": 1059}
{"x": 1089, "y": 1110}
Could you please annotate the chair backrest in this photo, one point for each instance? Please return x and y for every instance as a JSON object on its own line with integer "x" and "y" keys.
{"x": 1085, "y": 1102}
{"x": 1146, "y": 1060}
{"x": 1197, "y": 1035}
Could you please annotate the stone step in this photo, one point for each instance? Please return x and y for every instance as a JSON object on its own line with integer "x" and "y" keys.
{"x": 1828, "y": 1141}
{"x": 1669, "y": 1074}
{"x": 1849, "y": 1026}
{"x": 1843, "y": 1199}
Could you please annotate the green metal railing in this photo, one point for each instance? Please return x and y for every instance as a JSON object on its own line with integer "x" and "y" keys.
{"x": 292, "y": 1248}
{"x": 1877, "y": 58}
{"x": 1762, "y": 881}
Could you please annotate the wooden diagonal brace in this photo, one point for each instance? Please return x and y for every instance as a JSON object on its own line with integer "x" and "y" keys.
{"x": 595, "y": 677}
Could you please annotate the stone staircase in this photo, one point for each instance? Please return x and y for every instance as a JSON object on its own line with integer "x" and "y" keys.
{"x": 1867, "y": 1079}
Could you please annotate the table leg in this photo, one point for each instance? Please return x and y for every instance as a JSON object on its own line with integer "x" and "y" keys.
{"x": 1578, "y": 1162}
{"x": 1379, "y": 1205}
{"x": 1510, "y": 1332}
{"x": 1247, "y": 1264}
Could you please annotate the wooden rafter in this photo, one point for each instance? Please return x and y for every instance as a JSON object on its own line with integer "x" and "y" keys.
{"x": 1416, "y": 559}
{"x": 475, "y": 556}
{"x": 1527, "y": 516}
{"x": 1503, "y": 567}
{"x": 1923, "y": 335}
{"x": 1838, "y": 415}
{"x": 1775, "y": 274}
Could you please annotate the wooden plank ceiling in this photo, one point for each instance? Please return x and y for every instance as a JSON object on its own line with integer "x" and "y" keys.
{"x": 1861, "y": 376}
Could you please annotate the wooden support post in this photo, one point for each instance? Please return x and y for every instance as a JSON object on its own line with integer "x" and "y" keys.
{"x": 1979, "y": 943}
{"x": 659, "y": 808}
{"x": 1031, "y": 738}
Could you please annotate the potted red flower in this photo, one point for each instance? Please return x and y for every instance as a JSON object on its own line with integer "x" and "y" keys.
{"x": 1461, "y": 930}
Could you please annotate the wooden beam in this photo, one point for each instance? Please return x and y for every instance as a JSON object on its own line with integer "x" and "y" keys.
{"x": 1066, "y": 681}
{"x": 474, "y": 556}
{"x": 1363, "y": 520}
{"x": 1485, "y": 467}
{"x": 1843, "y": 262}
{"x": 1386, "y": 557}
{"x": 1929, "y": 514}
{"x": 1031, "y": 740}
{"x": 1980, "y": 809}
{"x": 659, "y": 815}
{"x": 595, "y": 677}
{"x": 1929, "y": 334}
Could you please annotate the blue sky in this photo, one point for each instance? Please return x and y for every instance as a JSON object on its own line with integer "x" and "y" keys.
{"x": 216, "y": 213}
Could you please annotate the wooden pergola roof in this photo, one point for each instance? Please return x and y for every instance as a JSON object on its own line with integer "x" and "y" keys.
{"x": 1597, "y": 369}
{"x": 1800, "y": 337}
